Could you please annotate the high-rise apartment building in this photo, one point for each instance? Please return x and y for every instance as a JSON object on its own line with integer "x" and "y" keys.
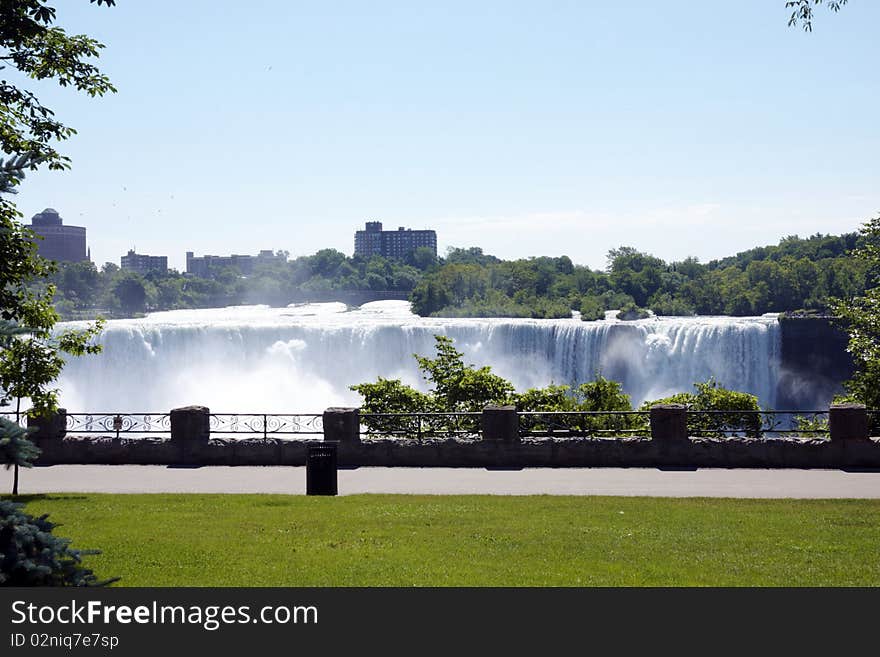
{"x": 392, "y": 243}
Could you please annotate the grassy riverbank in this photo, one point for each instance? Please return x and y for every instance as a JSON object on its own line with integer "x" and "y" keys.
{"x": 388, "y": 540}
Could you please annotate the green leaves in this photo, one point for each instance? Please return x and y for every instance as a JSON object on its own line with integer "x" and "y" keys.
{"x": 599, "y": 395}
{"x": 455, "y": 387}
{"x": 31, "y": 356}
{"x": 803, "y": 11}
{"x": 31, "y": 362}
{"x": 459, "y": 387}
{"x": 711, "y": 396}
{"x": 42, "y": 52}
{"x": 860, "y": 316}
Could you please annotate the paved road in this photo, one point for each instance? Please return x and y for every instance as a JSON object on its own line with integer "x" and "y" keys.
{"x": 531, "y": 481}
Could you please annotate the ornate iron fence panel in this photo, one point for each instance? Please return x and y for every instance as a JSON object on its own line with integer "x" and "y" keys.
{"x": 874, "y": 424}
{"x": 536, "y": 424}
{"x": 758, "y": 424}
{"x": 421, "y": 425}
{"x": 581, "y": 424}
{"x": 265, "y": 424}
{"x": 118, "y": 423}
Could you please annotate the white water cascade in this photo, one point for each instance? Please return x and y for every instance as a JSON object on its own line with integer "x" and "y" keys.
{"x": 303, "y": 358}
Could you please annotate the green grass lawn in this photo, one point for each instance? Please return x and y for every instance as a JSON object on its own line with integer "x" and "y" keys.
{"x": 407, "y": 540}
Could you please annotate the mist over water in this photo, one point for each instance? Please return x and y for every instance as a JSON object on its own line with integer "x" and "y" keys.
{"x": 303, "y": 358}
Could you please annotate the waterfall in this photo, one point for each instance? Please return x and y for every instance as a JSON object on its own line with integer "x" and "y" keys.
{"x": 303, "y": 358}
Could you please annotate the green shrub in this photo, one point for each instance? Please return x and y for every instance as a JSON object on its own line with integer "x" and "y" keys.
{"x": 710, "y": 396}
{"x": 391, "y": 396}
{"x": 599, "y": 395}
{"x": 669, "y": 306}
{"x": 454, "y": 388}
{"x": 592, "y": 308}
{"x": 811, "y": 427}
{"x": 551, "y": 398}
{"x": 630, "y": 311}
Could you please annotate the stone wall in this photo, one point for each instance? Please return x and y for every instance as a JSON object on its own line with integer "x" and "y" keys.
{"x": 587, "y": 452}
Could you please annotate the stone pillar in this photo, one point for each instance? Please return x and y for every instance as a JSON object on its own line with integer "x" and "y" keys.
{"x": 848, "y": 422}
{"x": 49, "y": 427}
{"x": 669, "y": 423}
{"x": 342, "y": 425}
{"x": 190, "y": 431}
{"x": 501, "y": 424}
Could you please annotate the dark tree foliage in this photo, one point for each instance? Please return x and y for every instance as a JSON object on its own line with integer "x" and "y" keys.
{"x": 31, "y": 555}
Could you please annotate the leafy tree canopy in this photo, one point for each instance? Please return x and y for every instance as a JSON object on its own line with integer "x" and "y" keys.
{"x": 39, "y": 50}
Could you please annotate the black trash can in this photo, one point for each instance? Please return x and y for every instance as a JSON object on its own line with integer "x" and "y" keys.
{"x": 321, "y": 469}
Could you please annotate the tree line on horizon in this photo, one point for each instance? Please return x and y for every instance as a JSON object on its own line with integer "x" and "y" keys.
{"x": 798, "y": 274}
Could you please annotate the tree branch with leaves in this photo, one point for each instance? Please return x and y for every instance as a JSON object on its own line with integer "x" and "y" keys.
{"x": 860, "y": 317}
{"x": 32, "y": 351}
{"x": 802, "y": 13}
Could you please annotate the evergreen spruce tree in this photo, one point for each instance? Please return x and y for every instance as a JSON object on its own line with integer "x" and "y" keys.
{"x": 30, "y": 555}
{"x": 16, "y": 450}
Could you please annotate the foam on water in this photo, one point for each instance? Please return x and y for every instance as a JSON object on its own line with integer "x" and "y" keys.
{"x": 304, "y": 357}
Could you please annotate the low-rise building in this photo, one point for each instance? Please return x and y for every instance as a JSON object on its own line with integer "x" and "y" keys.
{"x": 205, "y": 266}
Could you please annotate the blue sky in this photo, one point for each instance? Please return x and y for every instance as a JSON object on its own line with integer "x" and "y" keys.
{"x": 526, "y": 128}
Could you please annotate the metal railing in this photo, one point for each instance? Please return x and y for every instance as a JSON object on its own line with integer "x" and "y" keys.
{"x": 757, "y": 424}
{"x": 421, "y": 425}
{"x": 810, "y": 424}
{"x": 874, "y": 423}
{"x": 266, "y": 424}
{"x": 118, "y": 423}
{"x": 221, "y": 424}
{"x": 577, "y": 424}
